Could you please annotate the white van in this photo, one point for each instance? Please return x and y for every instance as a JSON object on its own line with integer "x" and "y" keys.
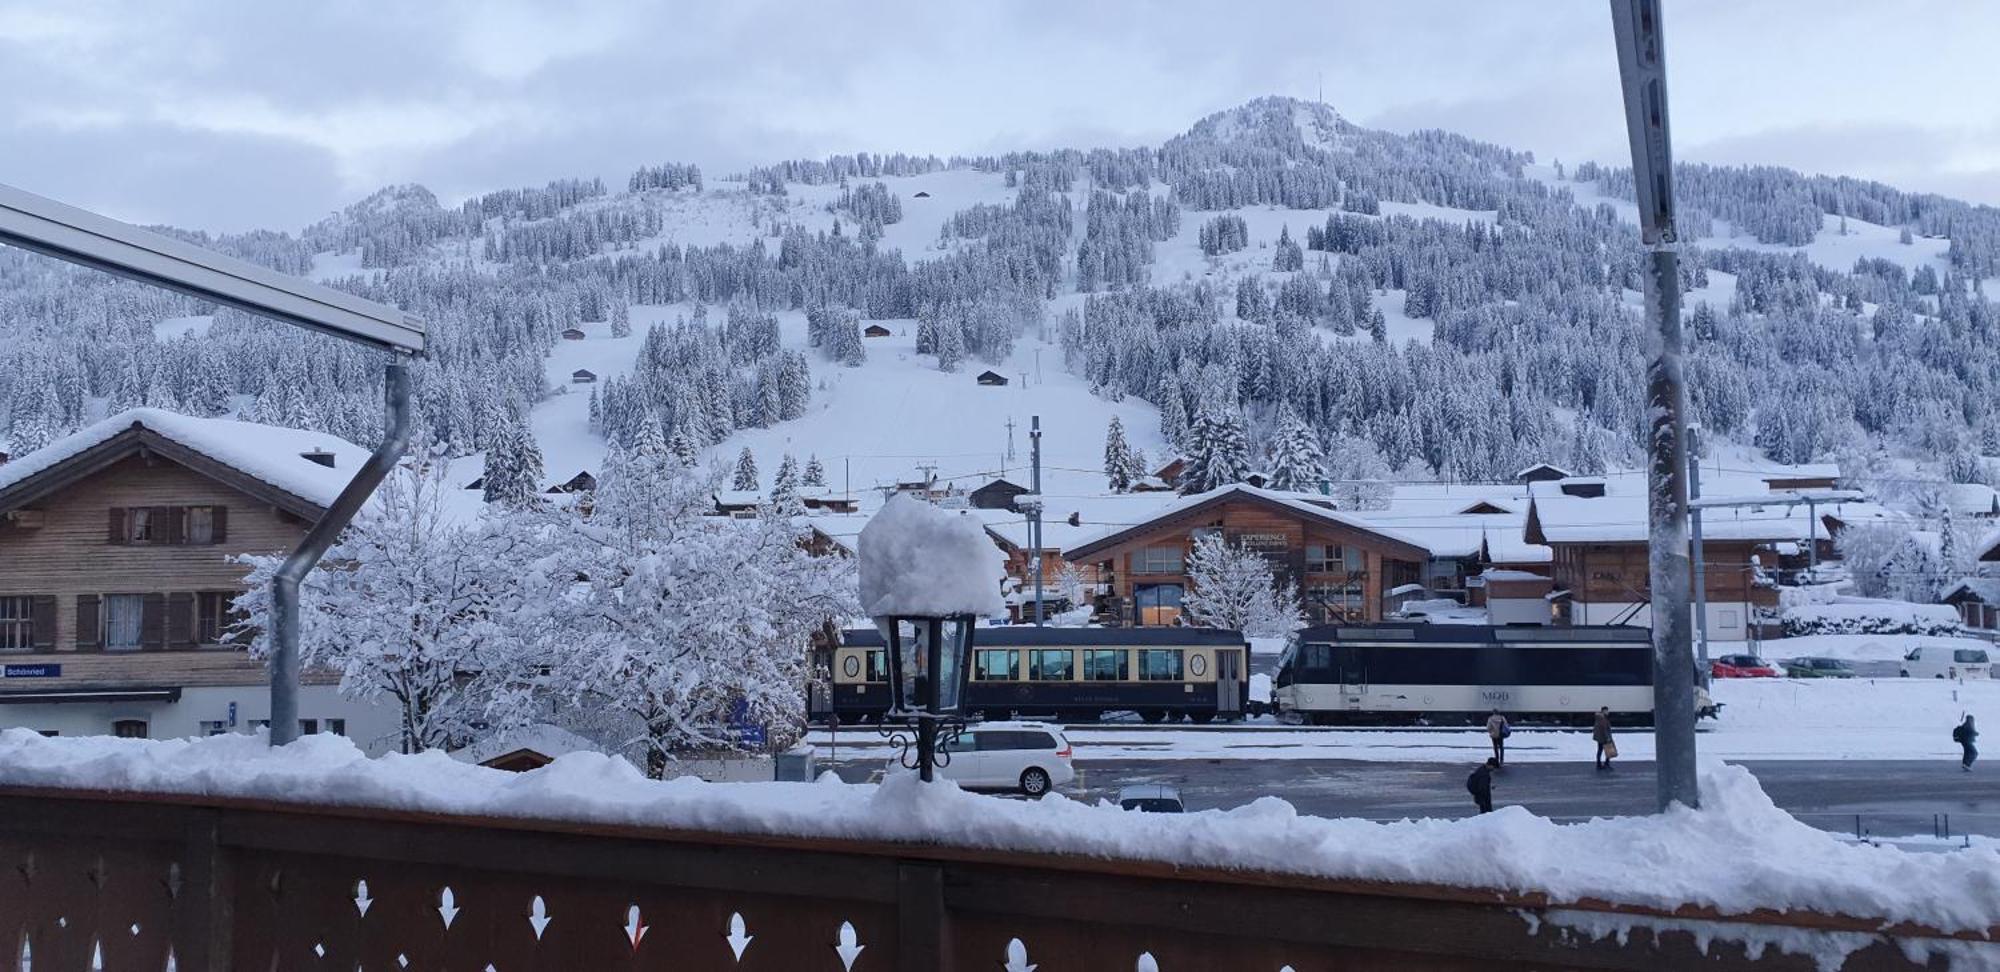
{"x": 1027, "y": 757}
{"x": 1941, "y": 661}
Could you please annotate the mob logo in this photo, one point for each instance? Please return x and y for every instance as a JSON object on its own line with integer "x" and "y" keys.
{"x": 1496, "y": 695}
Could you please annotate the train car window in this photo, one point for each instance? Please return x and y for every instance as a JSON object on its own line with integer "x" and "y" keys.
{"x": 1105, "y": 665}
{"x": 1316, "y": 656}
{"x": 1159, "y": 664}
{"x": 878, "y": 665}
{"x": 996, "y": 664}
{"x": 1052, "y": 665}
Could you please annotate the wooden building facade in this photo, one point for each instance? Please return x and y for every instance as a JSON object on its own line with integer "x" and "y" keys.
{"x": 1342, "y": 568}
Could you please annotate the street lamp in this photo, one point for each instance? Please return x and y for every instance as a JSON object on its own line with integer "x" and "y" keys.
{"x": 929, "y": 658}
{"x": 927, "y": 576}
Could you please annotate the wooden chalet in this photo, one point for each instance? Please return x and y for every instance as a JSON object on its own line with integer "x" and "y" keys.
{"x": 992, "y": 379}
{"x": 1542, "y": 472}
{"x": 875, "y": 331}
{"x": 1977, "y": 600}
{"x": 582, "y": 482}
{"x": 572, "y": 334}
{"x": 997, "y": 495}
{"x": 582, "y": 376}
{"x": 1342, "y": 566}
{"x": 119, "y": 567}
{"x": 1170, "y": 474}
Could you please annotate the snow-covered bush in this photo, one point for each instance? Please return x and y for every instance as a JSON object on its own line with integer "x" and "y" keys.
{"x": 1237, "y": 589}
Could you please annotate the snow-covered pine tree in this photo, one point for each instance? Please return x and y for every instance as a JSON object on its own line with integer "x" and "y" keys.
{"x": 1287, "y": 255}
{"x": 682, "y": 450}
{"x": 1218, "y": 451}
{"x": 746, "y": 471}
{"x": 1239, "y": 590}
{"x": 950, "y": 346}
{"x": 1297, "y": 462}
{"x": 815, "y": 474}
{"x": 1117, "y": 457}
{"x": 785, "y": 482}
{"x": 513, "y": 467}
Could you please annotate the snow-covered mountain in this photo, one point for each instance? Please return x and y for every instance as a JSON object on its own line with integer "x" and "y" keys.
{"x": 1429, "y": 305}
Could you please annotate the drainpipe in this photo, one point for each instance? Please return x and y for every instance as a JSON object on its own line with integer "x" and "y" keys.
{"x": 285, "y": 586}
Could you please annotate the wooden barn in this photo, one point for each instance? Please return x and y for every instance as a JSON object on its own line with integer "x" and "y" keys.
{"x": 875, "y": 331}
{"x": 992, "y": 378}
{"x": 582, "y": 376}
{"x": 572, "y": 334}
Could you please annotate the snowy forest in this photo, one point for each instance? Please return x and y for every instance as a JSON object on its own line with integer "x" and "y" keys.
{"x": 1535, "y": 340}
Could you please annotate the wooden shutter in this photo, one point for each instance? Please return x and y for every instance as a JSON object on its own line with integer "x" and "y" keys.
{"x": 42, "y": 612}
{"x": 167, "y": 525}
{"x": 117, "y": 534}
{"x": 87, "y": 621}
{"x": 153, "y": 621}
{"x": 180, "y": 620}
{"x": 220, "y": 527}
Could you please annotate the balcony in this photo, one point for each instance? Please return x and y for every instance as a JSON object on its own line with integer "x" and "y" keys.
{"x": 224, "y": 884}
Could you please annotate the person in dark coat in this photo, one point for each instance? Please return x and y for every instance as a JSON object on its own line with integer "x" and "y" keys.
{"x": 1965, "y": 735}
{"x": 1480, "y": 784}
{"x": 1600, "y": 733}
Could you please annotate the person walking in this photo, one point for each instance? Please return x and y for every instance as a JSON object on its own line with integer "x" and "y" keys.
{"x": 1964, "y": 735}
{"x": 1498, "y": 730}
{"x": 1480, "y": 784}
{"x": 1601, "y": 734}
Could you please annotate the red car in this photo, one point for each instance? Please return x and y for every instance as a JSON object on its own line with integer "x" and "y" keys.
{"x": 1740, "y": 666}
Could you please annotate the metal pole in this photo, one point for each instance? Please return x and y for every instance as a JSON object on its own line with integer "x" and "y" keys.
{"x": 1035, "y": 515}
{"x": 285, "y": 586}
{"x": 1643, "y": 73}
{"x": 1700, "y": 559}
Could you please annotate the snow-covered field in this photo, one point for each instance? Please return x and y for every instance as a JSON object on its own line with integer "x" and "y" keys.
{"x": 1666, "y": 861}
{"x": 1762, "y": 719}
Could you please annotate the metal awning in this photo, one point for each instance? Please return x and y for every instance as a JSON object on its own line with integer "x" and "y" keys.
{"x": 68, "y": 233}
{"x": 169, "y": 694}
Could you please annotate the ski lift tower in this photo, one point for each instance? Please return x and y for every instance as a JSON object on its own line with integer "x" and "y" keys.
{"x": 75, "y": 236}
{"x": 1642, "y": 71}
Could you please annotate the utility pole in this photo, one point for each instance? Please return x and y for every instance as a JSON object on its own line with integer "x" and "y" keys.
{"x": 1642, "y": 71}
{"x": 1035, "y": 513}
{"x": 1700, "y": 560}
{"x": 1010, "y": 441}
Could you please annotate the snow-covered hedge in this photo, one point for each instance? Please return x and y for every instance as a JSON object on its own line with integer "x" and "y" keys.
{"x": 1737, "y": 854}
{"x": 1872, "y": 617}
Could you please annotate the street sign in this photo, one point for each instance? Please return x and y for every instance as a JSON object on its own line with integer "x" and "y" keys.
{"x": 31, "y": 671}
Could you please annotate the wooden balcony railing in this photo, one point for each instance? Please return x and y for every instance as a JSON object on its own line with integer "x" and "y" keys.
{"x": 124, "y": 882}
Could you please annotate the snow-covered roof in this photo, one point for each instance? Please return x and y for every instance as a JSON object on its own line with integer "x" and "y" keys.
{"x": 1620, "y": 515}
{"x": 1986, "y": 589}
{"x": 1307, "y": 504}
{"x": 1989, "y": 546}
{"x": 268, "y": 453}
{"x": 548, "y": 740}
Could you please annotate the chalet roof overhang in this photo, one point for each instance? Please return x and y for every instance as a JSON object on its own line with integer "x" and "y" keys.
{"x": 1192, "y": 515}
{"x": 139, "y": 440}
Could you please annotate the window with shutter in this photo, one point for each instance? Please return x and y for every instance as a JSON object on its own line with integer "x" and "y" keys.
{"x": 200, "y": 527}
{"x": 124, "y": 622}
{"x": 87, "y": 618}
{"x": 117, "y": 531}
{"x": 167, "y": 524}
{"x": 180, "y": 620}
{"x": 220, "y": 515}
{"x": 153, "y": 621}
{"x": 44, "y": 610}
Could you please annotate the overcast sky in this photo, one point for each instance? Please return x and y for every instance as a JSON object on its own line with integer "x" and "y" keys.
{"x": 225, "y": 116}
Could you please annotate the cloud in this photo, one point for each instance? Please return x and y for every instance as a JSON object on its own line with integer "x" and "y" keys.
{"x": 260, "y": 114}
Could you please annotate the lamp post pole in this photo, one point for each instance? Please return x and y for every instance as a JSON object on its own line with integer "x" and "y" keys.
{"x": 1642, "y": 71}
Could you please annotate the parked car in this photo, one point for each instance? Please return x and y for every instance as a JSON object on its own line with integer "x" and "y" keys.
{"x": 1818, "y": 668}
{"x": 1151, "y": 798}
{"x": 1026, "y": 757}
{"x": 1943, "y": 661}
{"x": 1741, "y": 666}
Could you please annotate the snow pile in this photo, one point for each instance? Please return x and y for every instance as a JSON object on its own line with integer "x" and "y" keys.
{"x": 917, "y": 559}
{"x": 1738, "y": 854}
{"x": 1856, "y": 617}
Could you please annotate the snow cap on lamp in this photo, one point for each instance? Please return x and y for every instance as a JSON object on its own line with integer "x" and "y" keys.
{"x": 921, "y": 561}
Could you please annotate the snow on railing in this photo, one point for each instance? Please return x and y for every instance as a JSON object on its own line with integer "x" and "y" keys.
{"x": 328, "y": 859}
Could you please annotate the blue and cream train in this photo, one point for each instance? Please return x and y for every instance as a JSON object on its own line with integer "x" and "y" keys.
{"x": 1076, "y": 674}
{"x": 1390, "y": 673}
